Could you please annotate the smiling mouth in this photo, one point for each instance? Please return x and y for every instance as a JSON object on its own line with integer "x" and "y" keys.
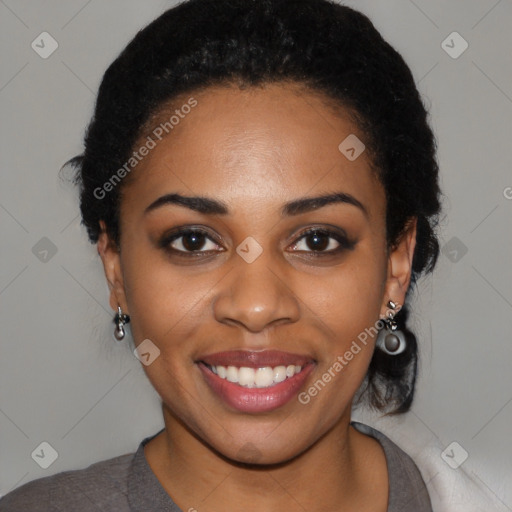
{"x": 247, "y": 377}
{"x": 255, "y": 381}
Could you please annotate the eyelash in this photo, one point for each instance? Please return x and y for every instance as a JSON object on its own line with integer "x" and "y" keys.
{"x": 343, "y": 241}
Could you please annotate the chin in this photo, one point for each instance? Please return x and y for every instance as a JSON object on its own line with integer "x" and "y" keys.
{"x": 261, "y": 444}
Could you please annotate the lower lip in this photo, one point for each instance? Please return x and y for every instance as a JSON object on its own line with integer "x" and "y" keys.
{"x": 255, "y": 400}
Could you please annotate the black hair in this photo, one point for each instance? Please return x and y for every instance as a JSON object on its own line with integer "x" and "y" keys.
{"x": 324, "y": 46}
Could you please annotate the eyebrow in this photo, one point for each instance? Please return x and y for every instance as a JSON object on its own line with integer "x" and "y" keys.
{"x": 210, "y": 206}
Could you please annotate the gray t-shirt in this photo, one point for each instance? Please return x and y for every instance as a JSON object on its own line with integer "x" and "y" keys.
{"x": 127, "y": 484}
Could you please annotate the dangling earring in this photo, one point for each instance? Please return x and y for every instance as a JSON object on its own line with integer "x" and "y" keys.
{"x": 120, "y": 319}
{"x": 391, "y": 340}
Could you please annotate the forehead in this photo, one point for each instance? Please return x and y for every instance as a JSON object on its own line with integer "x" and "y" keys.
{"x": 261, "y": 144}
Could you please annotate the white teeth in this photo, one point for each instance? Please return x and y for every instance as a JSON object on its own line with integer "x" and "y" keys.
{"x": 246, "y": 376}
{"x": 280, "y": 373}
{"x": 256, "y": 378}
{"x": 232, "y": 374}
{"x": 264, "y": 377}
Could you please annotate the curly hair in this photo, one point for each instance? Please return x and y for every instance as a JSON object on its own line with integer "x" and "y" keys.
{"x": 328, "y": 48}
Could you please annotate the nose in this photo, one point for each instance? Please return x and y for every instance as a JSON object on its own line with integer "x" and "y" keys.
{"x": 256, "y": 295}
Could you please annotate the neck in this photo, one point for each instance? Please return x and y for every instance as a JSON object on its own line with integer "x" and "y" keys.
{"x": 331, "y": 474}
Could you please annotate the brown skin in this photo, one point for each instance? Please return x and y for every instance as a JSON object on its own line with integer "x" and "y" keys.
{"x": 256, "y": 149}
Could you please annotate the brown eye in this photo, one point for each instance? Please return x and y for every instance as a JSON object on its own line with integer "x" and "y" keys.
{"x": 322, "y": 241}
{"x": 317, "y": 241}
{"x": 193, "y": 241}
{"x": 189, "y": 241}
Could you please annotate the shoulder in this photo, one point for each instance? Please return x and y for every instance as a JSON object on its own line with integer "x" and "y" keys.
{"x": 100, "y": 486}
{"x": 407, "y": 489}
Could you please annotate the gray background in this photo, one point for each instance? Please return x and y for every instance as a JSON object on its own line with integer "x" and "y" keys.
{"x": 62, "y": 378}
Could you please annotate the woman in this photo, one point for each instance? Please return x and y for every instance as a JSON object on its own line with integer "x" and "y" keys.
{"x": 261, "y": 183}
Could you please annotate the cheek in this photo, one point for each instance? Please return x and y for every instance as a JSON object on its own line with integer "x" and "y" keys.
{"x": 163, "y": 299}
{"x": 167, "y": 307}
{"x": 347, "y": 304}
{"x": 348, "y": 298}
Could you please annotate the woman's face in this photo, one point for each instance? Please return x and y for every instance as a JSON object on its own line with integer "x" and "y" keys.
{"x": 252, "y": 289}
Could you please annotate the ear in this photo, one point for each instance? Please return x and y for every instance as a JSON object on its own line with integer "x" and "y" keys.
{"x": 400, "y": 267}
{"x": 109, "y": 253}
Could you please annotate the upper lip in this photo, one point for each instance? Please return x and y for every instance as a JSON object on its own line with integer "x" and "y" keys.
{"x": 255, "y": 359}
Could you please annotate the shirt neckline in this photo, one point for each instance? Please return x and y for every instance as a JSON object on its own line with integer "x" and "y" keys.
{"x": 144, "y": 488}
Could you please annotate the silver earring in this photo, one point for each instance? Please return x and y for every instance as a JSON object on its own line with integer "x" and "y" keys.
{"x": 391, "y": 340}
{"x": 120, "y": 319}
